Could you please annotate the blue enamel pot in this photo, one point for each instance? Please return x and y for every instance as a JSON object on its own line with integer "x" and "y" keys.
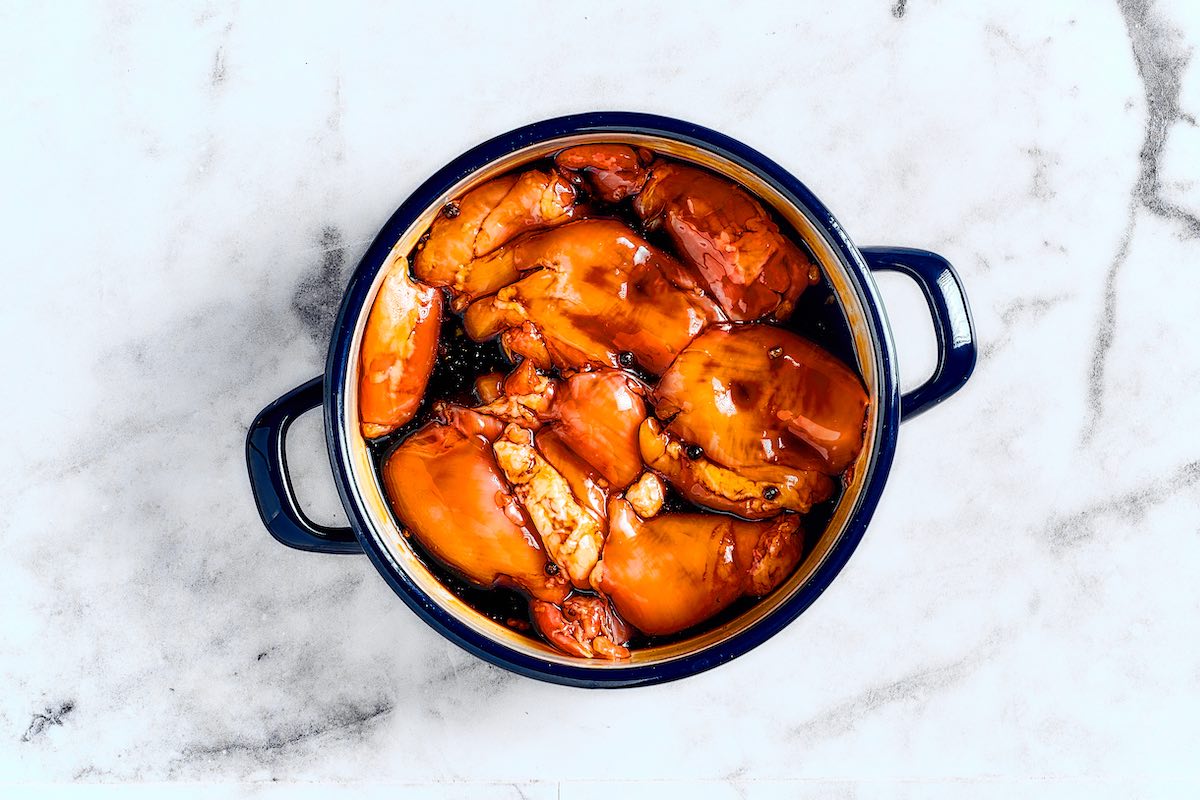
{"x": 859, "y": 334}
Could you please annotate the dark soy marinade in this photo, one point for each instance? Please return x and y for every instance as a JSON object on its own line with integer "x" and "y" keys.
{"x": 817, "y": 316}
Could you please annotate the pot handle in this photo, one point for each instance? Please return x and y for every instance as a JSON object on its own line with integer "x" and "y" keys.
{"x": 269, "y": 479}
{"x": 952, "y": 323}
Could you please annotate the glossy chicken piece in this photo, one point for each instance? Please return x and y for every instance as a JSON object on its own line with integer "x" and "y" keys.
{"x": 614, "y": 171}
{"x": 587, "y": 485}
{"x": 468, "y": 421}
{"x": 597, "y": 414}
{"x": 711, "y": 485}
{"x": 596, "y": 289}
{"x": 447, "y": 491}
{"x": 572, "y": 534}
{"x": 750, "y": 267}
{"x": 489, "y": 387}
{"x": 525, "y": 342}
{"x": 398, "y": 349}
{"x": 450, "y": 244}
{"x": 486, "y": 218}
{"x": 756, "y": 397}
{"x": 669, "y": 573}
{"x": 582, "y": 626}
{"x": 525, "y": 397}
{"x": 647, "y": 495}
{"x": 537, "y": 200}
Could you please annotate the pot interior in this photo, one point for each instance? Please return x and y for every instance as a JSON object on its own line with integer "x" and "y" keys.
{"x": 859, "y": 345}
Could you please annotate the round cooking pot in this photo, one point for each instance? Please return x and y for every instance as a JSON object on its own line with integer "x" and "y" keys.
{"x": 374, "y": 531}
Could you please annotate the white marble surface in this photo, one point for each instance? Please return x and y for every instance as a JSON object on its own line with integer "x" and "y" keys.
{"x": 185, "y": 192}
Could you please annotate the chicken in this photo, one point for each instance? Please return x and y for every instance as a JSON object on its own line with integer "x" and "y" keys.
{"x": 708, "y": 484}
{"x": 755, "y": 398}
{"x": 615, "y": 171}
{"x": 672, "y": 572}
{"x": 597, "y": 414}
{"x": 447, "y": 491}
{"x": 742, "y": 258}
{"x": 595, "y": 289}
{"x": 571, "y": 532}
{"x": 399, "y": 347}
{"x": 483, "y": 220}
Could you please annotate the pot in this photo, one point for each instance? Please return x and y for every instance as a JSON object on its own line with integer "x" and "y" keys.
{"x": 848, "y": 268}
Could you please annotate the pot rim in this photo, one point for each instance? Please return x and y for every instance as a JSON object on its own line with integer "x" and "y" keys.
{"x": 340, "y": 364}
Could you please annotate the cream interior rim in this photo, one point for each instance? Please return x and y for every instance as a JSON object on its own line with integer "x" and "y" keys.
{"x": 369, "y": 491}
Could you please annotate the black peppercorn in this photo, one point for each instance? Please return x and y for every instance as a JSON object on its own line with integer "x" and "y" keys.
{"x": 771, "y": 493}
{"x": 626, "y": 359}
{"x": 775, "y": 352}
{"x": 694, "y": 451}
{"x": 450, "y": 209}
{"x": 551, "y": 568}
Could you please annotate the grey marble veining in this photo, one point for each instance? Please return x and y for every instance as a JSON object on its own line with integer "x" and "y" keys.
{"x": 1161, "y": 58}
{"x": 187, "y": 190}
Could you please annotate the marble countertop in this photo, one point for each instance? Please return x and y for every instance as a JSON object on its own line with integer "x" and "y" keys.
{"x": 186, "y": 192}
